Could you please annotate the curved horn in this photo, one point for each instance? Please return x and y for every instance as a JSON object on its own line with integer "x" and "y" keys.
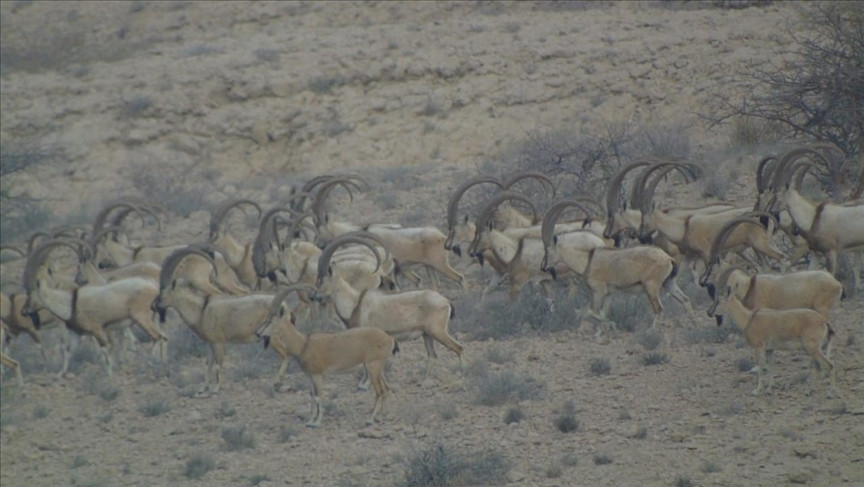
{"x": 642, "y": 196}
{"x": 493, "y": 203}
{"x": 283, "y": 293}
{"x": 547, "y": 229}
{"x": 327, "y": 253}
{"x": 121, "y": 215}
{"x": 453, "y": 204}
{"x": 265, "y": 238}
{"x": 13, "y": 249}
{"x": 539, "y": 176}
{"x": 38, "y": 257}
{"x": 295, "y": 226}
{"x": 172, "y": 261}
{"x": 764, "y": 170}
{"x": 724, "y": 232}
{"x": 221, "y": 211}
{"x": 371, "y": 236}
{"x": 489, "y": 210}
{"x": 298, "y": 200}
{"x": 32, "y": 242}
{"x": 326, "y": 188}
{"x": 102, "y": 216}
{"x": 613, "y": 189}
{"x": 782, "y": 176}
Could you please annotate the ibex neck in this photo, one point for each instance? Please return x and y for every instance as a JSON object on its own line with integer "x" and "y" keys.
{"x": 739, "y": 313}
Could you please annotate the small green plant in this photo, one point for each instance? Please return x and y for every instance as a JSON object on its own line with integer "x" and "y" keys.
{"x": 198, "y": 466}
{"x": 602, "y": 459}
{"x": 654, "y": 358}
{"x": 80, "y": 461}
{"x": 286, "y": 433}
{"x": 570, "y": 460}
{"x": 109, "y": 393}
{"x": 441, "y": 466}
{"x": 711, "y": 467}
{"x": 497, "y": 355}
{"x": 258, "y": 478}
{"x": 514, "y": 415}
{"x": 649, "y": 340}
{"x": 682, "y": 481}
{"x": 324, "y": 85}
{"x": 554, "y": 471}
{"x": 745, "y": 365}
{"x": 237, "y": 438}
{"x": 448, "y": 411}
{"x": 600, "y": 366}
{"x": 566, "y": 421}
{"x": 225, "y": 410}
{"x": 154, "y": 407}
{"x": 41, "y": 411}
{"x": 499, "y": 388}
{"x": 641, "y": 433}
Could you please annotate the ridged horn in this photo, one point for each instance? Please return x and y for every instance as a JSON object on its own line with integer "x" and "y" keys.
{"x": 33, "y": 241}
{"x": 327, "y": 253}
{"x": 172, "y": 261}
{"x": 536, "y": 175}
{"x": 613, "y": 190}
{"x": 283, "y": 293}
{"x": 218, "y": 215}
{"x": 326, "y": 188}
{"x": 37, "y": 258}
{"x": 643, "y": 191}
{"x": 453, "y": 204}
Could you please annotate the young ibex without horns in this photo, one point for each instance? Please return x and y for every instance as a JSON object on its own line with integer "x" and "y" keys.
{"x": 325, "y": 353}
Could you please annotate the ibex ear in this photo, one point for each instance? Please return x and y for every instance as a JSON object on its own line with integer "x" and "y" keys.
{"x": 555, "y": 239}
{"x": 491, "y": 225}
{"x": 173, "y": 284}
{"x": 291, "y": 315}
{"x": 282, "y": 311}
{"x": 330, "y": 271}
{"x": 326, "y": 218}
{"x": 466, "y": 218}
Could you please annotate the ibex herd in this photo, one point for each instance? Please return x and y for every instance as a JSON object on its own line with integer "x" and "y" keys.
{"x": 227, "y": 290}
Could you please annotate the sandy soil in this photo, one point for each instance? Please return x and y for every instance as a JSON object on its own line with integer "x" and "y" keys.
{"x": 193, "y": 103}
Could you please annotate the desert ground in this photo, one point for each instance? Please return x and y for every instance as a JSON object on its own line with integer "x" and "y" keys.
{"x": 191, "y": 104}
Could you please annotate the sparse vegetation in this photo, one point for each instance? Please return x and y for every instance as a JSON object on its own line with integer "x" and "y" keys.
{"x": 448, "y": 411}
{"x": 641, "y": 433}
{"x": 41, "y": 411}
{"x": 649, "y": 340}
{"x": 79, "y": 461}
{"x": 324, "y": 85}
{"x": 286, "y": 433}
{"x": 198, "y": 466}
{"x": 237, "y": 438}
{"x": 654, "y": 358}
{"x": 514, "y": 415}
{"x": 682, "y": 481}
{"x": 602, "y": 459}
{"x": 600, "y": 366}
{"x": 441, "y": 466}
{"x": 154, "y": 407}
{"x": 819, "y": 89}
{"x": 744, "y": 364}
{"x": 494, "y": 389}
{"x": 566, "y": 421}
